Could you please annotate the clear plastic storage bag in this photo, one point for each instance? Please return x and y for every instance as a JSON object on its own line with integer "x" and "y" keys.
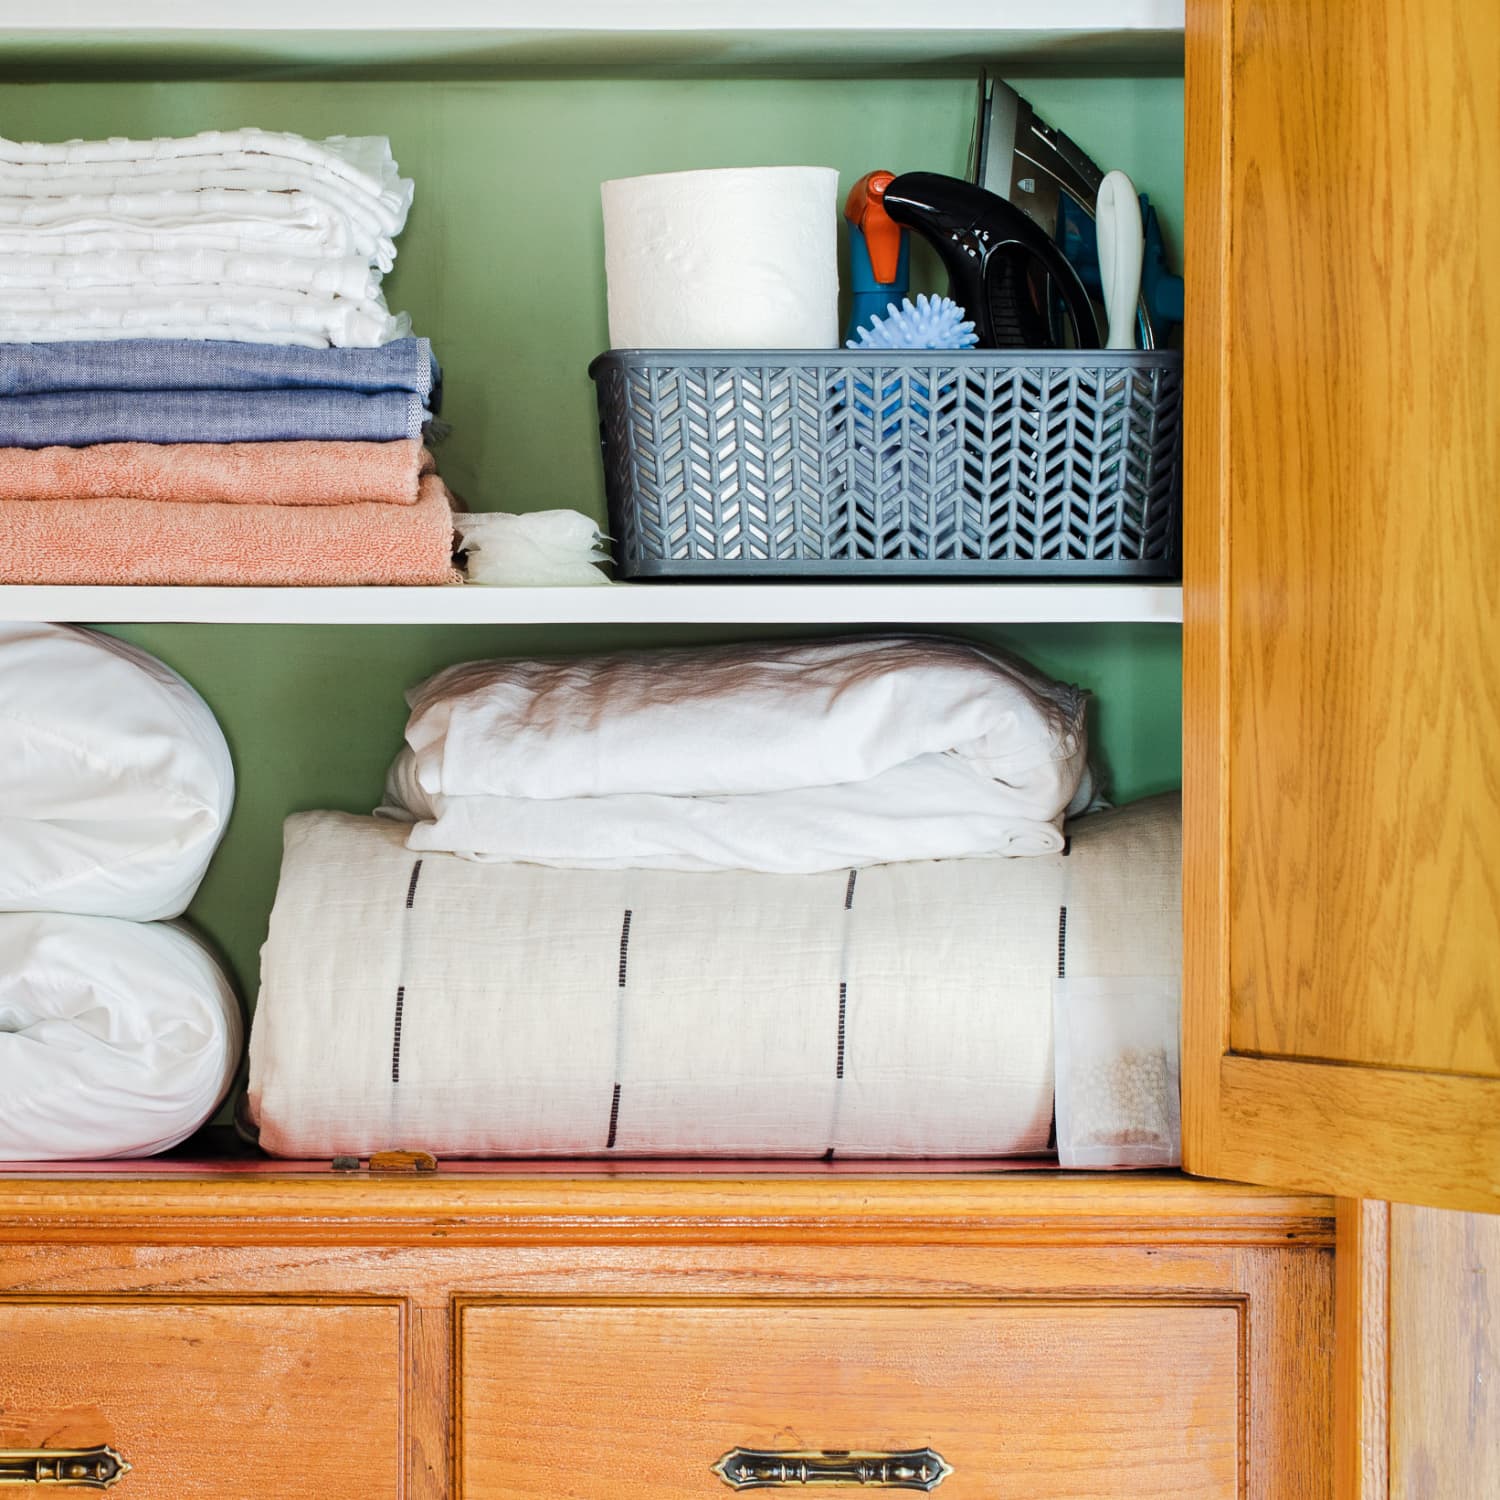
{"x": 1118, "y": 1090}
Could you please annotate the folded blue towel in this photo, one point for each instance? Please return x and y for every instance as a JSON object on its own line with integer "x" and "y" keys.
{"x": 216, "y": 365}
{"x": 76, "y": 419}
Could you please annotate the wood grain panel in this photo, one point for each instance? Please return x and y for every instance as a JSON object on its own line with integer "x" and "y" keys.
{"x": 1289, "y": 1341}
{"x": 430, "y": 1400}
{"x": 1363, "y": 597}
{"x": 1342, "y": 599}
{"x": 1205, "y": 658}
{"x": 216, "y": 1400}
{"x": 1046, "y": 1402}
{"x": 1361, "y": 1453}
{"x": 560, "y": 1271}
{"x": 1361, "y": 1131}
{"x": 1445, "y": 1355}
{"x": 1041, "y": 1208}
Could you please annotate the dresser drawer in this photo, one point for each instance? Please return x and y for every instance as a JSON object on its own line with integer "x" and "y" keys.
{"x": 1023, "y": 1399}
{"x": 214, "y": 1399}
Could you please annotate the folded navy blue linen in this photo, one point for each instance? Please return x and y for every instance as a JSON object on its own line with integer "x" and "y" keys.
{"x": 76, "y": 419}
{"x": 217, "y": 365}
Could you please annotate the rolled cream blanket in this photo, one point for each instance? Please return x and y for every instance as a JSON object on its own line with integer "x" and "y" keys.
{"x": 427, "y": 1002}
{"x": 506, "y": 1010}
{"x": 182, "y": 542}
{"x": 297, "y": 473}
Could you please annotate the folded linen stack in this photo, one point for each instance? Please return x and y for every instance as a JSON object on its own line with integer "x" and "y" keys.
{"x": 119, "y": 1032}
{"x": 202, "y": 384}
{"x": 789, "y": 758}
{"x": 252, "y": 235}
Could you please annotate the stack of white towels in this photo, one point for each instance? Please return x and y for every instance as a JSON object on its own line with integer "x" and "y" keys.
{"x": 251, "y": 235}
{"x": 120, "y": 1033}
{"x": 796, "y": 900}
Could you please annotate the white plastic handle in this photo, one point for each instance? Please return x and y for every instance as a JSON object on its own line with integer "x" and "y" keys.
{"x": 1121, "y": 249}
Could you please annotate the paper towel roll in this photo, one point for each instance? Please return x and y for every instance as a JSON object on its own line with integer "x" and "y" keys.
{"x": 741, "y": 258}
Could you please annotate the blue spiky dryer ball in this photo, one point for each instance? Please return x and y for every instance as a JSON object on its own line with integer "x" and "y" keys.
{"x": 927, "y": 323}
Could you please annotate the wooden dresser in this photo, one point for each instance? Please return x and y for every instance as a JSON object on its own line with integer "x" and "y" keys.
{"x": 523, "y": 1337}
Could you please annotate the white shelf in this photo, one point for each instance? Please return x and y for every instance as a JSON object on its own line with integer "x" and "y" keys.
{"x": 179, "y": 35}
{"x": 619, "y": 604}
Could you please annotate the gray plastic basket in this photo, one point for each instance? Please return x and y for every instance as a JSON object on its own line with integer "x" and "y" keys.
{"x": 784, "y": 464}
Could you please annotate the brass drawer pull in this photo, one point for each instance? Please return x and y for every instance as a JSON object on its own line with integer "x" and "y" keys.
{"x": 79, "y": 1468}
{"x": 757, "y": 1469}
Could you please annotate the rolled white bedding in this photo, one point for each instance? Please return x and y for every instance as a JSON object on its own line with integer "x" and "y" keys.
{"x": 115, "y": 778}
{"x": 426, "y": 1002}
{"x": 116, "y": 1038}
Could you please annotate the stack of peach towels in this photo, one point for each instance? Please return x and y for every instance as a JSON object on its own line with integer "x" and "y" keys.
{"x": 202, "y": 383}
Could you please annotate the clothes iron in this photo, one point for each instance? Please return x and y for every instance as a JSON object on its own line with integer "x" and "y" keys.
{"x": 1029, "y": 163}
{"x": 1003, "y": 269}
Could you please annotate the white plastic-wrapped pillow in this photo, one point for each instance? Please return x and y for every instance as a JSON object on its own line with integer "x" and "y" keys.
{"x": 115, "y": 780}
{"x": 116, "y": 1038}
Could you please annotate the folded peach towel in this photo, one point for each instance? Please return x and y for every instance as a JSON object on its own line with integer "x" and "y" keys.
{"x": 184, "y": 542}
{"x": 302, "y": 473}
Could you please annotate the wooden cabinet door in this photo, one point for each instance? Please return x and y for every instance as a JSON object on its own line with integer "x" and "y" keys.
{"x": 1342, "y": 637}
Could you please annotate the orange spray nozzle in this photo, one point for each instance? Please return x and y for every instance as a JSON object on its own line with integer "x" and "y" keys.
{"x": 865, "y": 208}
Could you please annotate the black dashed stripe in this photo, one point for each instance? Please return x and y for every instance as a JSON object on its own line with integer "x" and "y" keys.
{"x": 614, "y": 1120}
{"x": 843, "y": 1008}
{"x": 411, "y": 890}
{"x": 1062, "y": 942}
{"x": 624, "y": 947}
{"x": 396, "y": 1041}
{"x": 849, "y": 890}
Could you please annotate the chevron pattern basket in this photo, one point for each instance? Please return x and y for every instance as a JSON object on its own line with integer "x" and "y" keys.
{"x": 1044, "y": 464}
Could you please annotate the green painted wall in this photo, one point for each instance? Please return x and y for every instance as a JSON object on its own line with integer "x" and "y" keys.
{"x": 501, "y": 267}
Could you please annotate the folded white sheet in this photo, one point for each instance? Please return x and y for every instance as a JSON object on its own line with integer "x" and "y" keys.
{"x": 357, "y": 174}
{"x": 249, "y": 314}
{"x": 932, "y": 807}
{"x": 144, "y": 271}
{"x": 433, "y": 1003}
{"x": 233, "y": 230}
{"x": 729, "y": 719}
{"x": 116, "y": 1038}
{"x": 363, "y": 163}
{"x": 115, "y": 780}
{"x": 797, "y": 757}
{"x": 61, "y": 197}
